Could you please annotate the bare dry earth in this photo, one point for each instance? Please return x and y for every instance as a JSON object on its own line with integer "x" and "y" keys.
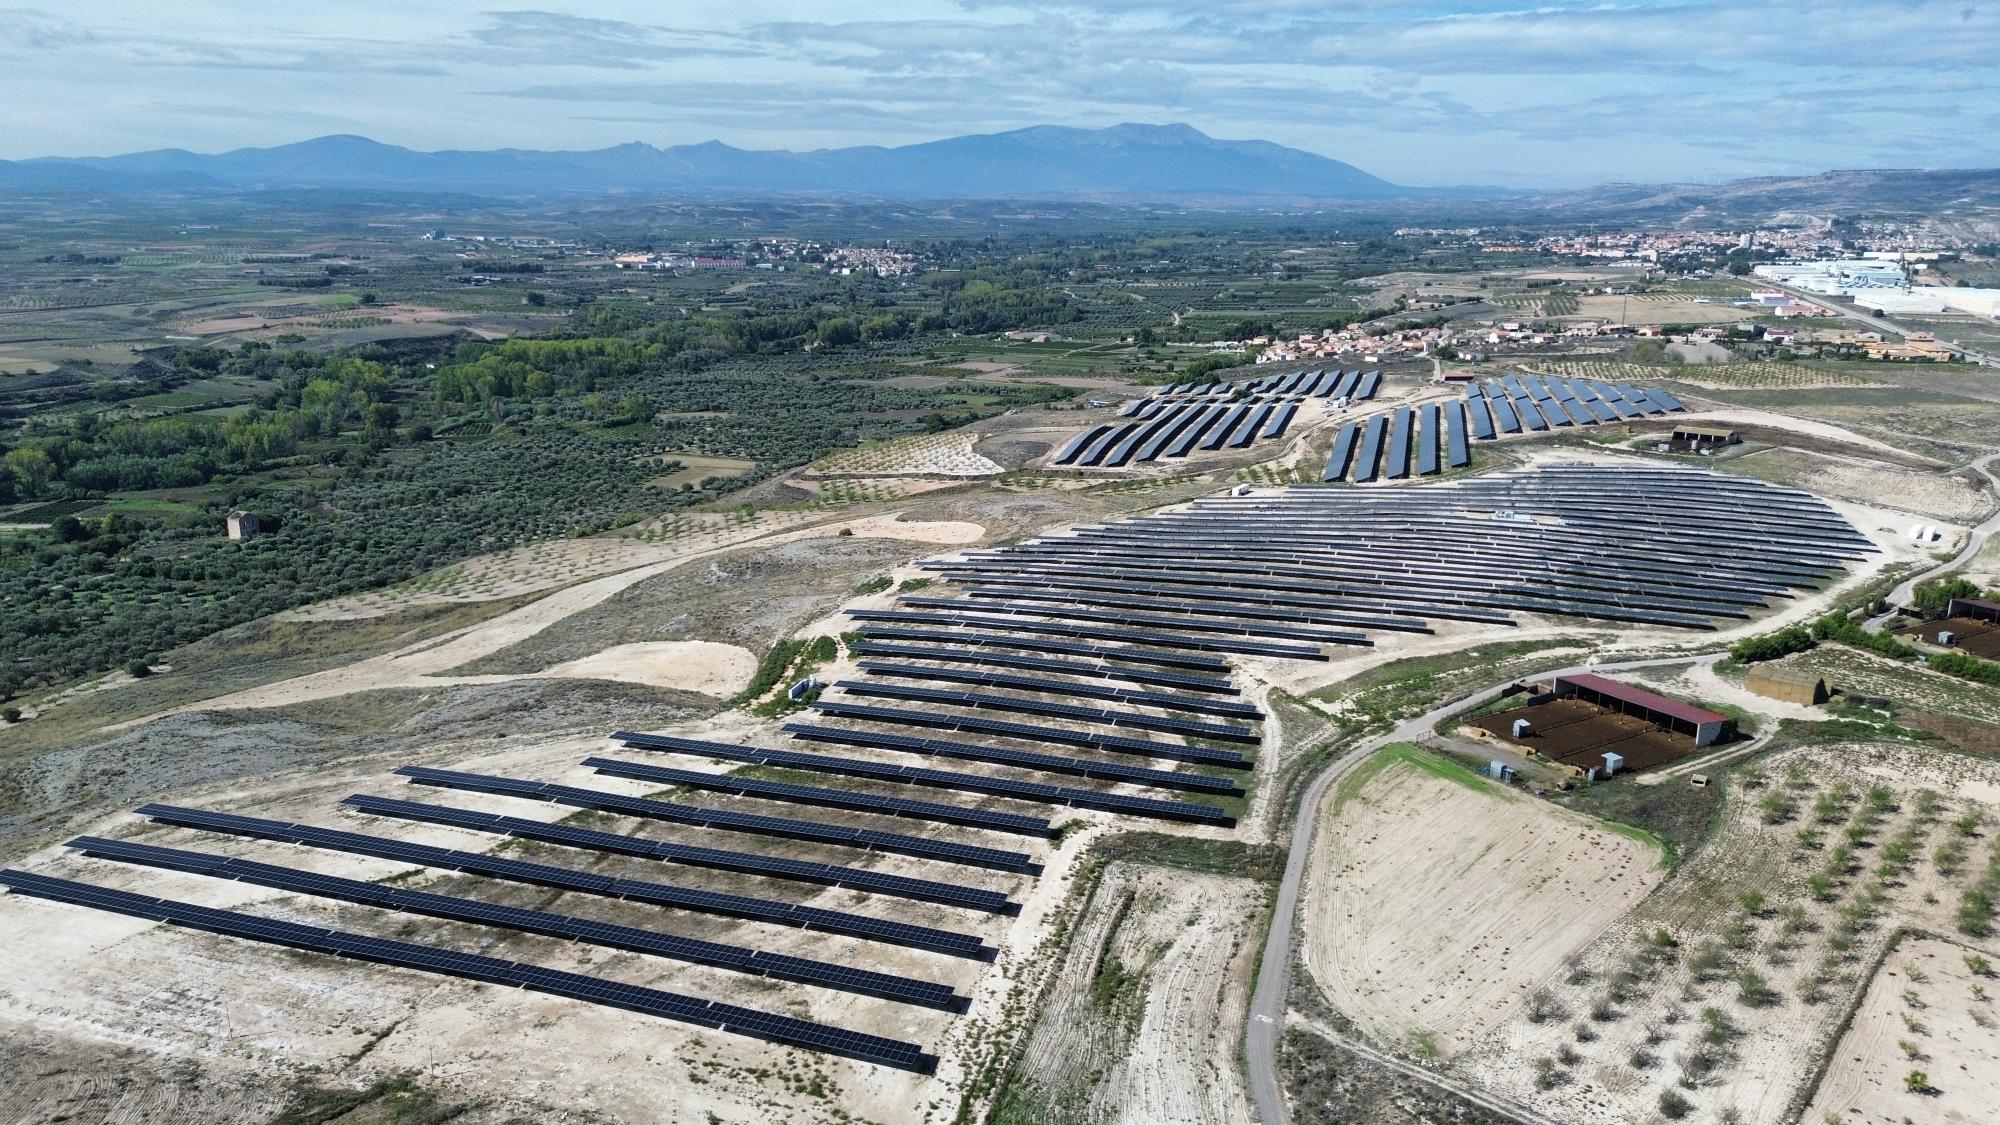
{"x": 1950, "y": 498}
{"x": 702, "y": 667}
{"x": 1754, "y": 1058}
{"x": 1432, "y": 907}
{"x": 1166, "y": 1051}
{"x": 1924, "y": 996}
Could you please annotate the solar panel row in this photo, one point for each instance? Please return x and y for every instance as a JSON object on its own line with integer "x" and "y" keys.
{"x": 1060, "y": 736}
{"x": 570, "y": 879}
{"x": 828, "y": 798}
{"x": 782, "y": 827}
{"x": 743, "y": 863}
{"x": 1047, "y": 664}
{"x": 648, "y": 1001}
{"x": 1163, "y": 701}
{"x": 717, "y": 954}
{"x": 975, "y": 783}
{"x": 1225, "y": 732}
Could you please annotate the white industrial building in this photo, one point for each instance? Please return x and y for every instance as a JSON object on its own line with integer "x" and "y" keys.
{"x": 1881, "y": 287}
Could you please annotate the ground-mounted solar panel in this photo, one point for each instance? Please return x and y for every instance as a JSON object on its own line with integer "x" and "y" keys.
{"x": 1531, "y": 416}
{"x": 971, "y": 783}
{"x": 1457, "y": 453}
{"x": 1001, "y": 617}
{"x": 1205, "y": 705}
{"x": 1665, "y": 398}
{"x": 1280, "y": 421}
{"x": 1515, "y": 389}
{"x": 1503, "y": 414}
{"x": 728, "y": 820}
{"x": 1098, "y": 451}
{"x": 1074, "y": 448}
{"x": 828, "y": 798}
{"x": 1599, "y": 410}
{"x": 1370, "y": 383}
{"x": 1032, "y": 732}
{"x": 1221, "y": 432}
{"x": 1427, "y": 444}
{"x": 1247, "y": 431}
{"x": 1552, "y": 408}
{"x": 1166, "y": 658}
{"x": 583, "y": 882}
{"x": 1224, "y": 732}
{"x": 1369, "y": 457}
{"x": 709, "y": 1014}
{"x": 1207, "y": 420}
{"x": 1396, "y": 454}
{"x": 736, "y": 958}
{"x": 1137, "y": 675}
{"x": 1342, "y": 455}
{"x": 640, "y": 847}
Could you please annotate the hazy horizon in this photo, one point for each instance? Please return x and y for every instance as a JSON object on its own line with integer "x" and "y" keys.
{"x": 1440, "y": 93}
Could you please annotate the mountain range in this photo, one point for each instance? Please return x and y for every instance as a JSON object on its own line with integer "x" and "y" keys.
{"x": 1123, "y": 161}
{"x": 1121, "y": 164}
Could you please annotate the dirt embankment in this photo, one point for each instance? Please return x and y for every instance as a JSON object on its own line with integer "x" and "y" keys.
{"x": 1141, "y": 1023}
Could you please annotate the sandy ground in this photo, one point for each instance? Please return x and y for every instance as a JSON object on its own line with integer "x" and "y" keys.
{"x": 1166, "y": 1054}
{"x": 1956, "y": 1036}
{"x": 1435, "y": 908}
{"x": 1949, "y": 498}
{"x": 698, "y": 666}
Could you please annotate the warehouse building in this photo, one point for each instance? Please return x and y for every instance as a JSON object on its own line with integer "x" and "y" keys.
{"x": 1705, "y": 727}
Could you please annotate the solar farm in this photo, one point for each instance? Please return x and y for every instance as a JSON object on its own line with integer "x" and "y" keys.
{"x": 1425, "y": 439}
{"x": 1093, "y": 671}
{"x": 1183, "y": 420}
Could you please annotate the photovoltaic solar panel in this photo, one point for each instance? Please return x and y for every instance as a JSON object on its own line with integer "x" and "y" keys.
{"x": 1503, "y": 414}
{"x": 1137, "y": 675}
{"x": 1280, "y": 421}
{"x": 1032, "y": 732}
{"x": 1370, "y": 455}
{"x": 1343, "y": 452}
{"x": 744, "y": 863}
{"x": 828, "y": 798}
{"x": 1121, "y": 654}
{"x": 1163, "y": 700}
{"x": 1427, "y": 446}
{"x": 783, "y": 827}
{"x": 1077, "y": 444}
{"x": 971, "y": 783}
{"x": 733, "y": 957}
{"x": 1457, "y": 454}
{"x": 1225, "y": 732}
{"x": 1397, "y": 453}
{"x": 710, "y": 1014}
{"x": 584, "y": 882}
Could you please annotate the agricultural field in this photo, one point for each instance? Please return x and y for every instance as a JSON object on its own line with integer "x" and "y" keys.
{"x": 1762, "y": 374}
{"x": 1719, "y": 993}
{"x": 946, "y": 454}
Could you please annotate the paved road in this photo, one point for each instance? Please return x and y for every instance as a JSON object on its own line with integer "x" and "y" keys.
{"x": 1274, "y": 975}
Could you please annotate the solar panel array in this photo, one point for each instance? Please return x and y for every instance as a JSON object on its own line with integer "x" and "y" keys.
{"x": 1203, "y": 417}
{"x": 1427, "y": 439}
{"x": 1654, "y": 546}
{"x": 493, "y": 970}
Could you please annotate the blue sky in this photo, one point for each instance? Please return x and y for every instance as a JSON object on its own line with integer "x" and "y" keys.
{"x": 1470, "y": 91}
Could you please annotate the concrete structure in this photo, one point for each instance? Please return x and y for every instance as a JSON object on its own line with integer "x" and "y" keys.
{"x": 245, "y": 525}
{"x": 1706, "y": 727}
{"x": 1775, "y": 681}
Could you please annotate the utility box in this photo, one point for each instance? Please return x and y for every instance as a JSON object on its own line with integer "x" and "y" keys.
{"x": 1613, "y": 763}
{"x": 1522, "y": 728}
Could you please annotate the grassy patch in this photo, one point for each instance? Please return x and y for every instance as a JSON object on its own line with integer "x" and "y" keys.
{"x": 1674, "y": 817}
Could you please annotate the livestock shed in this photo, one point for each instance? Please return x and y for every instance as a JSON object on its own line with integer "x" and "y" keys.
{"x": 1974, "y": 609}
{"x": 1789, "y": 685}
{"x": 1706, "y": 727}
{"x": 1706, "y": 435}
